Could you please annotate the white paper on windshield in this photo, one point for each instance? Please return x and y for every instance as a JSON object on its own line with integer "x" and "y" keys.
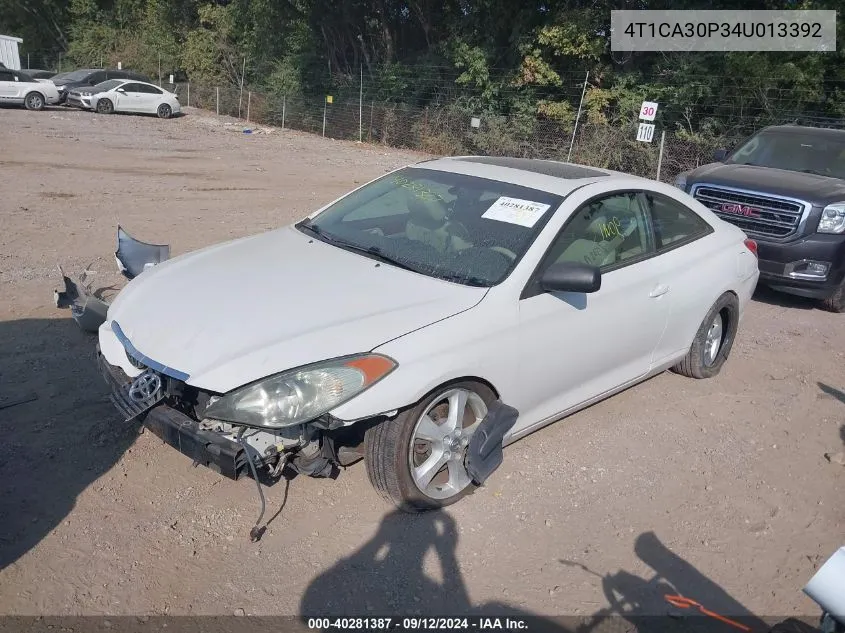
{"x": 516, "y": 211}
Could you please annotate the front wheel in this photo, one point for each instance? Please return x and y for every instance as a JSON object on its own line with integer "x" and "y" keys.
{"x": 105, "y": 106}
{"x": 416, "y": 461}
{"x": 713, "y": 341}
{"x": 34, "y": 101}
{"x": 164, "y": 111}
{"x": 836, "y": 302}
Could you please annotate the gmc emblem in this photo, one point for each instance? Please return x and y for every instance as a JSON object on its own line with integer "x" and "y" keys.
{"x": 739, "y": 209}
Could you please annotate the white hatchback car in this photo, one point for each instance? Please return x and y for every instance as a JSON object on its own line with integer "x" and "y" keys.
{"x": 424, "y": 320}
{"x": 132, "y": 96}
{"x": 16, "y": 87}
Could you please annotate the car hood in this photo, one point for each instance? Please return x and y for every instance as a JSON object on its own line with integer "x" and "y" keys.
{"x": 817, "y": 189}
{"x": 236, "y": 312}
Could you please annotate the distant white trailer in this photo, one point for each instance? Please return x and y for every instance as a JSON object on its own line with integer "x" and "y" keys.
{"x": 9, "y": 51}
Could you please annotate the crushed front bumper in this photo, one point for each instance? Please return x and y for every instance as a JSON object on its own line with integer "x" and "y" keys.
{"x": 208, "y": 448}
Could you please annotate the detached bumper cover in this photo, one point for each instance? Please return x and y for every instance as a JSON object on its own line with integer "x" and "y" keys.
{"x": 175, "y": 428}
{"x": 775, "y": 261}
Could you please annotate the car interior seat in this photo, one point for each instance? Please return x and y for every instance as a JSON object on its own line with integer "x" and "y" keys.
{"x": 428, "y": 223}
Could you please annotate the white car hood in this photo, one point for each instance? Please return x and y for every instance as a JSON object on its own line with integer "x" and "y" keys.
{"x": 236, "y": 312}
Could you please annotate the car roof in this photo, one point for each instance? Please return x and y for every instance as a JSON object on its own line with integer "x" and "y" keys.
{"x": 805, "y": 130}
{"x": 552, "y": 176}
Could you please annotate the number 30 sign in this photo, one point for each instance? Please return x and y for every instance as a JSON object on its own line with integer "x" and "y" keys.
{"x": 648, "y": 110}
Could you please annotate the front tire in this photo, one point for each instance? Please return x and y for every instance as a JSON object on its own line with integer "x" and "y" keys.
{"x": 416, "y": 461}
{"x": 105, "y": 106}
{"x": 34, "y": 101}
{"x": 835, "y": 302}
{"x": 164, "y": 111}
{"x": 713, "y": 341}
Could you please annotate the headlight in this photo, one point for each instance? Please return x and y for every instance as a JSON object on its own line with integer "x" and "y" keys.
{"x": 85, "y": 93}
{"x": 833, "y": 219}
{"x": 300, "y": 395}
{"x": 681, "y": 181}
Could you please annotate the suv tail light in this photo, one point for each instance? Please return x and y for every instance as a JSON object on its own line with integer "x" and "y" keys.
{"x": 751, "y": 245}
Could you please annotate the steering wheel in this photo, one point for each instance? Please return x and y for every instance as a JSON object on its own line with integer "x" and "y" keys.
{"x": 504, "y": 251}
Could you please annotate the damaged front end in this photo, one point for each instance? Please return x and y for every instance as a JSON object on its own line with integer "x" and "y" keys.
{"x": 88, "y": 308}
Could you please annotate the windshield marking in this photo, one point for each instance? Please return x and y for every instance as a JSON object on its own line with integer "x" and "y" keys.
{"x": 515, "y": 211}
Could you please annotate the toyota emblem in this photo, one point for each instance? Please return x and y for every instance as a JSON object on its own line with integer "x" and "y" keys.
{"x": 145, "y": 386}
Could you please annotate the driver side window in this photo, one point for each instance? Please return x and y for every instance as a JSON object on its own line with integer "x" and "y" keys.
{"x": 608, "y": 232}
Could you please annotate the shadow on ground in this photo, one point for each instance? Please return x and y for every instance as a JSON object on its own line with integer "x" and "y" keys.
{"x": 58, "y": 444}
{"x": 387, "y": 576}
{"x": 766, "y": 295}
{"x": 832, "y": 392}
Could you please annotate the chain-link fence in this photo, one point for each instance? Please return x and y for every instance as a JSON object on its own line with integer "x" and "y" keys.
{"x": 449, "y": 131}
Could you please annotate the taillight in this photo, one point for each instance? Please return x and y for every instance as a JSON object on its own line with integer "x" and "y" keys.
{"x": 751, "y": 245}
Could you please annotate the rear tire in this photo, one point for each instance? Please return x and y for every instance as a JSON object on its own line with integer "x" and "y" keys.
{"x": 392, "y": 445}
{"x": 164, "y": 111}
{"x": 713, "y": 341}
{"x": 835, "y": 302}
{"x": 34, "y": 101}
{"x": 105, "y": 106}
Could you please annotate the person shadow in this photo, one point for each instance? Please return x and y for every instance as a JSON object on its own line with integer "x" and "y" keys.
{"x": 410, "y": 567}
{"x": 60, "y": 431}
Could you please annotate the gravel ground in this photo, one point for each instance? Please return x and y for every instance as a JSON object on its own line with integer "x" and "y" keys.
{"x": 717, "y": 489}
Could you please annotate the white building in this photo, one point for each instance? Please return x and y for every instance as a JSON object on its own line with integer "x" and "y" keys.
{"x": 9, "y": 51}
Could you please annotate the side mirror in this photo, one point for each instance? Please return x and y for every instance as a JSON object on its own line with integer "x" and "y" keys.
{"x": 719, "y": 155}
{"x": 571, "y": 277}
{"x": 121, "y": 90}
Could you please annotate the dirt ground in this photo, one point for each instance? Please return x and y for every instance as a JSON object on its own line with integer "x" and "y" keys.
{"x": 719, "y": 489}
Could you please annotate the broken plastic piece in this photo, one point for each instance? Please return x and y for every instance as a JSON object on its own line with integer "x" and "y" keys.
{"x": 88, "y": 311}
{"x": 484, "y": 453}
{"x": 133, "y": 256}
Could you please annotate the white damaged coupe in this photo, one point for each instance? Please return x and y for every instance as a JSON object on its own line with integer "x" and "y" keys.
{"x": 425, "y": 320}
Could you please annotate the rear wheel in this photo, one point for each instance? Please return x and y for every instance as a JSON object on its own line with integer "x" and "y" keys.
{"x": 105, "y": 106}
{"x": 164, "y": 111}
{"x": 416, "y": 461}
{"x": 836, "y": 302}
{"x": 713, "y": 341}
{"x": 34, "y": 101}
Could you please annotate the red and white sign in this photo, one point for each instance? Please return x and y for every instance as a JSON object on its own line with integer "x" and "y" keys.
{"x": 648, "y": 110}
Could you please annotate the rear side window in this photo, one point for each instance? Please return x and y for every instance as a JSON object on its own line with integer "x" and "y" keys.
{"x": 95, "y": 78}
{"x": 6, "y": 76}
{"x": 148, "y": 89}
{"x": 674, "y": 223}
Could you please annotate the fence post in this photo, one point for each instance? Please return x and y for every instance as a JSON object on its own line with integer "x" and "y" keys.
{"x": 284, "y": 106}
{"x": 217, "y": 92}
{"x": 325, "y": 107}
{"x": 27, "y": 61}
{"x": 188, "y": 105}
{"x": 577, "y": 116}
{"x": 248, "y": 101}
{"x": 361, "y": 107}
{"x": 660, "y": 153}
{"x": 159, "y": 70}
{"x": 241, "y": 95}
{"x": 370, "y": 131}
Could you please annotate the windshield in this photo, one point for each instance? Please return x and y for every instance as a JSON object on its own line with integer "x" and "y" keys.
{"x": 76, "y": 75}
{"x": 794, "y": 151}
{"x": 106, "y": 85}
{"x": 460, "y": 228}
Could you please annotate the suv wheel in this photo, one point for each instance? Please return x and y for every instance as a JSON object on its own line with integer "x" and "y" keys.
{"x": 836, "y": 301}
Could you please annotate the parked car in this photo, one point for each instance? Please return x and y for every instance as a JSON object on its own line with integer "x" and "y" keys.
{"x": 81, "y": 97}
{"x": 424, "y": 320}
{"x": 65, "y": 82}
{"x": 36, "y": 73}
{"x": 785, "y": 187}
{"x": 16, "y": 87}
{"x": 135, "y": 96}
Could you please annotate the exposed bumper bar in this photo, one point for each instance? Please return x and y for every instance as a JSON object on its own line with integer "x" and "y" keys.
{"x": 210, "y": 449}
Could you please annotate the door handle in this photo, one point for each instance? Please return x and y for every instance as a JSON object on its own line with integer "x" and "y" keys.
{"x": 659, "y": 291}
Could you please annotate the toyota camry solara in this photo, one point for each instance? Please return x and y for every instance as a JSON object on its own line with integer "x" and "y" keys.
{"x": 425, "y": 320}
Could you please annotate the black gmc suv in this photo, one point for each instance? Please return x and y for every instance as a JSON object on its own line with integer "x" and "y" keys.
{"x": 785, "y": 187}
